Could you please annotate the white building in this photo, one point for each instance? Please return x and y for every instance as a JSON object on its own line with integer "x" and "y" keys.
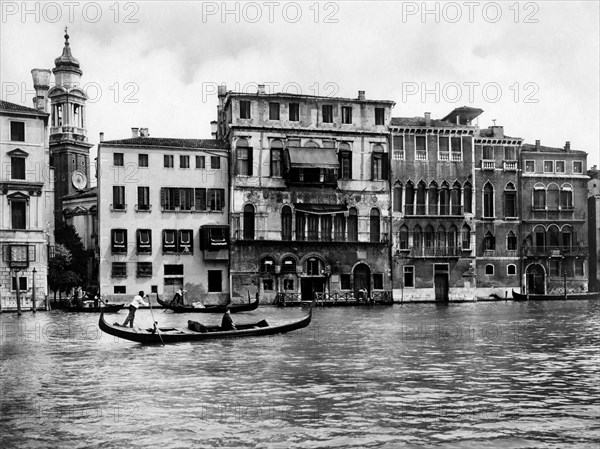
{"x": 163, "y": 217}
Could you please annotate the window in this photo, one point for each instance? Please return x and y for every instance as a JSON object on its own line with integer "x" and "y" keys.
{"x": 421, "y": 148}
{"x": 455, "y": 199}
{"x": 313, "y": 267}
{"x": 286, "y": 223}
{"x": 200, "y": 162}
{"x": 566, "y": 197}
{"x": 267, "y": 285}
{"x": 22, "y": 283}
{"x": 120, "y": 289}
{"x": 276, "y": 158}
{"x": 539, "y": 196}
{"x": 294, "y": 112}
{"x": 288, "y": 265}
{"x": 17, "y": 131}
{"x": 511, "y": 241}
{"x": 489, "y": 241}
{"x": 273, "y": 111}
{"x": 529, "y": 166}
{"x": 560, "y": 166}
{"x": 409, "y": 206}
{"x": 510, "y": 200}
{"x": 548, "y": 166}
{"x": 118, "y": 160}
{"x": 347, "y": 114}
{"x": 199, "y": 199}
{"x": 511, "y": 269}
{"x": 577, "y": 167}
{"x": 554, "y": 266}
{"x": 326, "y": 228}
{"x": 313, "y": 227}
{"x": 409, "y": 276}
{"x": 185, "y": 240}
{"x": 143, "y": 202}
{"x": 244, "y": 109}
{"x": 379, "y": 116}
{"x": 215, "y": 281}
{"x": 339, "y": 228}
{"x": 421, "y": 198}
{"x": 215, "y": 162}
{"x": 174, "y": 198}
{"x": 510, "y": 153}
{"x": 377, "y": 281}
{"x": 345, "y": 281}
{"x": 445, "y": 199}
{"x": 444, "y": 149}
{"x": 468, "y": 193}
{"x": 248, "y": 222}
{"x": 267, "y": 265}
{"x": 403, "y": 237}
{"x": 169, "y": 161}
{"x": 456, "y": 149}
{"x": 184, "y": 161}
{"x": 352, "y": 225}
{"x": 173, "y": 270}
{"x": 466, "y": 237}
{"x": 417, "y": 238}
{"x": 397, "y": 201}
{"x": 300, "y": 226}
{"x": 327, "y": 113}
{"x": 119, "y": 241}
{"x": 288, "y": 284}
{"x": 17, "y": 167}
{"x": 144, "y": 241}
{"x": 488, "y": 200}
{"x": 398, "y": 142}
{"x": 142, "y": 160}
{"x": 432, "y": 194}
{"x": 488, "y": 152}
{"x": 144, "y": 270}
{"x": 216, "y": 199}
{"x": 552, "y": 196}
{"x": 489, "y": 269}
{"x": 169, "y": 243}
{"x": 118, "y": 198}
{"x": 244, "y": 158}
{"x": 379, "y": 164}
{"x": 119, "y": 269}
{"x": 579, "y": 268}
{"x": 345, "y": 160}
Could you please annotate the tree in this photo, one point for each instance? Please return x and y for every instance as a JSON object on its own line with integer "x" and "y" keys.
{"x": 61, "y": 276}
{"x": 67, "y": 236}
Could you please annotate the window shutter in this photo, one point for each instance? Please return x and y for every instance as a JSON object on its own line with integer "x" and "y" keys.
{"x": 200, "y": 200}
{"x": 176, "y": 197}
{"x": 249, "y": 161}
{"x": 163, "y": 197}
{"x": 372, "y": 166}
{"x": 384, "y": 166}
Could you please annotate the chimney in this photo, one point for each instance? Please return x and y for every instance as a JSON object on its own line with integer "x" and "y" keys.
{"x": 568, "y": 145}
{"x": 101, "y": 137}
{"x": 144, "y": 132}
{"x": 41, "y": 83}
{"x": 222, "y": 90}
{"x": 498, "y": 131}
{"x": 537, "y": 145}
{"x": 428, "y": 119}
{"x": 135, "y": 132}
{"x": 213, "y": 129}
{"x": 361, "y": 95}
{"x": 261, "y": 89}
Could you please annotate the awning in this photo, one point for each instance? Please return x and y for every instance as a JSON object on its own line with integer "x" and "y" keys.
{"x": 311, "y": 208}
{"x": 312, "y": 157}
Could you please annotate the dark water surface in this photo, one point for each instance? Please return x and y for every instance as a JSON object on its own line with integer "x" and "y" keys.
{"x": 483, "y": 375}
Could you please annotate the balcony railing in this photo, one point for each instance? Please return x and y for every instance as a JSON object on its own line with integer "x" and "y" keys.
{"x": 446, "y": 251}
{"x": 552, "y": 208}
{"x": 488, "y": 164}
{"x": 439, "y": 210}
{"x": 555, "y": 251}
{"x": 510, "y": 165}
{"x": 310, "y": 237}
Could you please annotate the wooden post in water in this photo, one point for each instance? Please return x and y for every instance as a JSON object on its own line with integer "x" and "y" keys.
{"x": 33, "y": 291}
{"x": 18, "y": 293}
{"x": 565, "y": 282}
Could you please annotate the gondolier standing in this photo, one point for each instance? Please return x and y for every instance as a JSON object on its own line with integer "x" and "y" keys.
{"x": 138, "y": 300}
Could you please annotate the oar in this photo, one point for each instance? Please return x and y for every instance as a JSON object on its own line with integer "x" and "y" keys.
{"x": 155, "y": 322}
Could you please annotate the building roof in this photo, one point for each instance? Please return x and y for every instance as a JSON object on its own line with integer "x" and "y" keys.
{"x": 12, "y": 107}
{"x": 275, "y": 95}
{"x": 464, "y": 114}
{"x": 543, "y": 149}
{"x": 162, "y": 142}
{"x": 421, "y": 121}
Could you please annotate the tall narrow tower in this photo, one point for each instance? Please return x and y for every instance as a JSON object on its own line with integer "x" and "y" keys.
{"x": 69, "y": 148}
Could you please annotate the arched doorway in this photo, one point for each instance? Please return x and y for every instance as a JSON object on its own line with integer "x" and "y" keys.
{"x": 362, "y": 278}
{"x": 535, "y": 279}
{"x": 313, "y": 281}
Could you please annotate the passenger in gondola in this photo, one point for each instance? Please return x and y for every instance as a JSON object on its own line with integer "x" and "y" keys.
{"x": 227, "y": 322}
{"x": 178, "y": 298}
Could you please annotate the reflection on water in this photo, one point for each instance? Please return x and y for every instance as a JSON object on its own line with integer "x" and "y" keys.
{"x": 464, "y": 375}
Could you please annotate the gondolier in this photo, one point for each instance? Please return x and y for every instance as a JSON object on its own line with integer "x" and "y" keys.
{"x": 138, "y": 300}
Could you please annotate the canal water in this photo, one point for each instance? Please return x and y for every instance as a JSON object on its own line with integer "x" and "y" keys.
{"x": 505, "y": 374}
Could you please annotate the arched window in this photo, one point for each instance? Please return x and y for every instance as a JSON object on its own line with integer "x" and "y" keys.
{"x": 440, "y": 237}
{"x": 345, "y": 160}
{"x": 539, "y": 196}
{"x": 417, "y": 238}
{"x": 288, "y": 265}
{"x": 313, "y": 266}
{"x": 433, "y": 198}
{"x": 300, "y": 226}
{"x": 445, "y": 199}
{"x": 452, "y": 239}
{"x": 403, "y": 237}
{"x": 511, "y": 269}
{"x": 311, "y": 144}
{"x": 375, "y": 226}
{"x": 466, "y": 237}
{"x": 566, "y": 197}
{"x": 397, "y": 196}
{"x": 539, "y": 238}
{"x": 339, "y": 228}
{"x": 276, "y": 158}
{"x": 286, "y": 223}
{"x": 553, "y": 237}
{"x": 244, "y": 158}
{"x": 489, "y": 241}
{"x": 510, "y": 200}
{"x": 468, "y": 191}
{"x": 248, "y": 222}
{"x": 410, "y": 198}
{"x": 456, "y": 199}
{"x": 352, "y": 225}
{"x": 567, "y": 237}
{"x": 553, "y": 196}
{"x": 511, "y": 241}
{"x": 429, "y": 233}
{"x": 267, "y": 265}
{"x": 488, "y": 200}
{"x": 489, "y": 269}
{"x": 421, "y": 195}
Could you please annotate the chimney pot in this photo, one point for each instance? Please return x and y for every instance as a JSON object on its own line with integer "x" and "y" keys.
{"x": 222, "y": 90}
{"x": 144, "y": 132}
{"x": 135, "y": 132}
{"x": 537, "y": 145}
{"x": 427, "y": 118}
{"x": 361, "y": 95}
{"x": 261, "y": 89}
{"x": 41, "y": 83}
{"x": 568, "y": 145}
{"x": 213, "y": 128}
{"x": 101, "y": 137}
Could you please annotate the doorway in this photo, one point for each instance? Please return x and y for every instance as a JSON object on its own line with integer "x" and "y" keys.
{"x": 310, "y": 285}
{"x": 535, "y": 279}
{"x": 441, "y": 282}
{"x": 362, "y": 279}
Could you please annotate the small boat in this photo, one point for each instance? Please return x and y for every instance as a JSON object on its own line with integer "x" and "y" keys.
{"x": 220, "y": 308}
{"x": 537, "y": 297}
{"x": 174, "y": 335}
{"x": 108, "y": 308}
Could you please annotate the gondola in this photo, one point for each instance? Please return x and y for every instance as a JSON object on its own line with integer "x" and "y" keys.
{"x": 175, "y": 335}
{"x": 221, "y": 308}
{"x": 108, "y": 308}
{"x": 537, "y": 297}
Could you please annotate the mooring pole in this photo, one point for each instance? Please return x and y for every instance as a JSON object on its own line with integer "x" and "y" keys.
{"x": 33, "y": 308}
{"x": 18, "y": 293}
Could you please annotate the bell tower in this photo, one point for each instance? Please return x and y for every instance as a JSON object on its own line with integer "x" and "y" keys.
{"x": 69, "y": 147}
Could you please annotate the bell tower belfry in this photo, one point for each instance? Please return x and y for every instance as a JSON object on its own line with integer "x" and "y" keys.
{"x": 69, "y": 147}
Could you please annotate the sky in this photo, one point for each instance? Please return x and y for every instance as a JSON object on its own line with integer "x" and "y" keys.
{"x": 533, "y": 67}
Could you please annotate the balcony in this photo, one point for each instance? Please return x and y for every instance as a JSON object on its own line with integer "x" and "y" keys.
{"x": 311, "y": 237}
{"x": 446, "y": 251}
{"x": 509, "y": 165}
{"x": 118, "y": 207}
{"x": 488, "y": 164}
{"x": 555, "y": 251}
{"x": 441, "y": 210}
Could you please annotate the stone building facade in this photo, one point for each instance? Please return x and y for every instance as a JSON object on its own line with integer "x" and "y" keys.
{"x": 594, "y": 228}
{"x": 309, "y": 193}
